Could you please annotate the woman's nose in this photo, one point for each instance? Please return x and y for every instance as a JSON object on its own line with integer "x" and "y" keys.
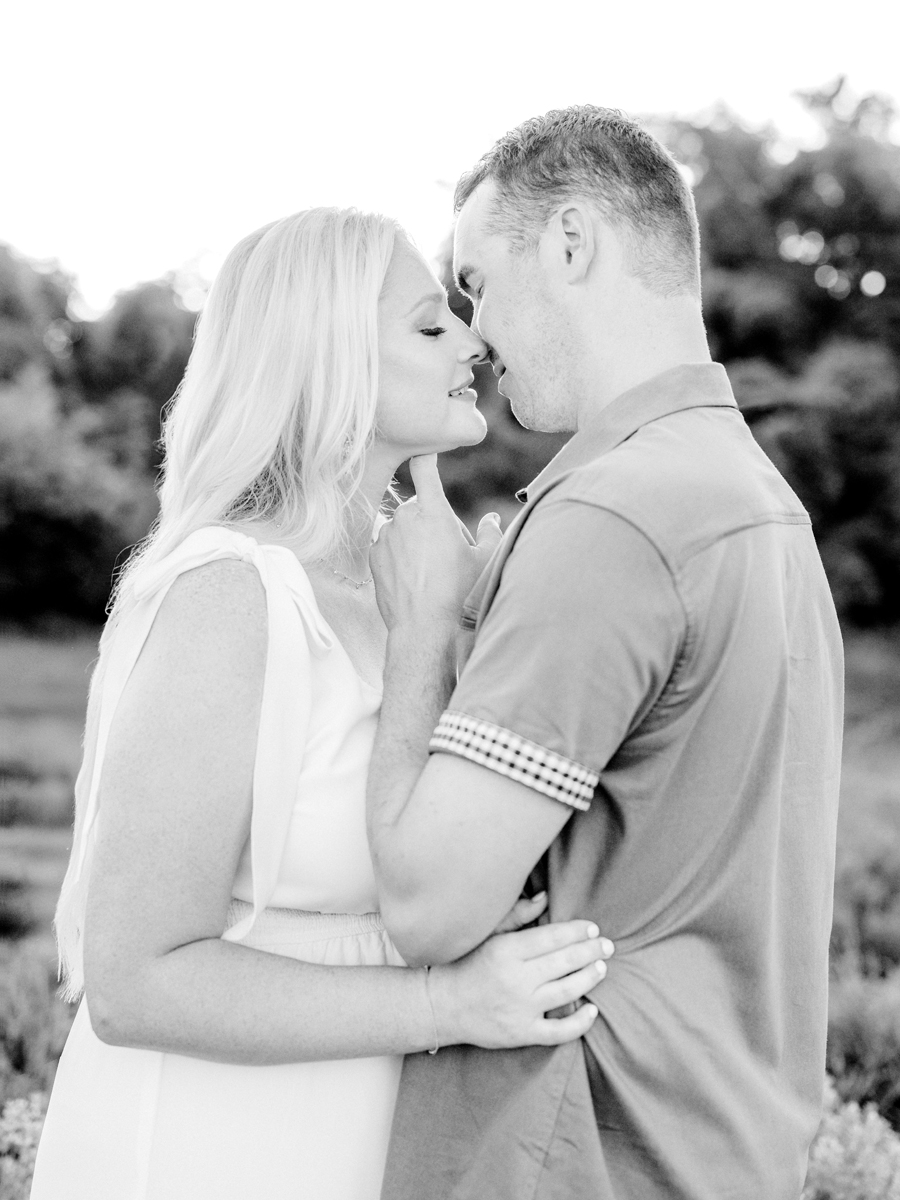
{"x": 476, "y": 351}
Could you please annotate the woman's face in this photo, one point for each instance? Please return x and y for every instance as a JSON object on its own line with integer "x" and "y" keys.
{"x": 425, "y": 400}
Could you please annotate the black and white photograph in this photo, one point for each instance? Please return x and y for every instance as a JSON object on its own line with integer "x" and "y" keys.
{"x": 450, "y": 601}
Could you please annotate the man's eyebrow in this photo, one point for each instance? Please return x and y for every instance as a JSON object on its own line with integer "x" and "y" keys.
{"x": 462, "y": 278}
{"x": 431, "y": 298}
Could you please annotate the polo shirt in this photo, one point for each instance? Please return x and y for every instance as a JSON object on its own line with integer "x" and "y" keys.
{"x": 656, "y": 647}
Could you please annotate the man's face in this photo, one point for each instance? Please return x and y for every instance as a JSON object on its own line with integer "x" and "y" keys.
{"x": 519, "y": 315}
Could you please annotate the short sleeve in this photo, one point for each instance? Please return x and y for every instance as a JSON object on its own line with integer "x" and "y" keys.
{"x": 581, "y": 638}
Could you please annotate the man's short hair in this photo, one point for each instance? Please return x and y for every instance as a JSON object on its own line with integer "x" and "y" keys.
{"x": 603, "y": 157}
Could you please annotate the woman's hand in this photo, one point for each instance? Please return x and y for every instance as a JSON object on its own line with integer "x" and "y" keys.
{"x": 498, "y": 995}
{"x": 425, "y": 562}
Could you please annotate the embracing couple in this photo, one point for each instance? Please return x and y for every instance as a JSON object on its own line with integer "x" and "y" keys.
{"x": 428, "y": 867}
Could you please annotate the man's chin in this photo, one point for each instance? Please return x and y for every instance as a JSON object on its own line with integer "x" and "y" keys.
{"x": 527, "y": 415}
{"x": 539, "y": 418}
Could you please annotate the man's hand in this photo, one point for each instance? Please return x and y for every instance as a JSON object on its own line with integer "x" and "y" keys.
{"x": 424, "y": 562}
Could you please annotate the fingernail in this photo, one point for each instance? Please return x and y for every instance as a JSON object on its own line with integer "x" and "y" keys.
{"x": 601, "y": 968}
{"x": 592, "y": 1009}
{"x": 537, "y": 897}
{"x": 593, "y": 931}
{"x": 607, "y": 947}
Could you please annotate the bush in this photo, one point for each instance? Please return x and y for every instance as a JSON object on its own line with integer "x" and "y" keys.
{"x": 34, "y": 1022}
{"x": 67, "y": 512}
{"x": 834, "y": 432}
{"x": 864, "y": 1041}
{"x": 855, "y": 1155}
{"x": 20, "y": 1131}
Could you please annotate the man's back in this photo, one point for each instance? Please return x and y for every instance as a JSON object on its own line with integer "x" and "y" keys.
{"x": 716, "y": 885}
{"x": 689, "y": 657}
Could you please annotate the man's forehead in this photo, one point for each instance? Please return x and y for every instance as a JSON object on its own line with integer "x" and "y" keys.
{"x": 469, "y": 236}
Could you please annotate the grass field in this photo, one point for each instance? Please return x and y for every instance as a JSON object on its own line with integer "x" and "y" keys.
{"x": 43, "y": 695}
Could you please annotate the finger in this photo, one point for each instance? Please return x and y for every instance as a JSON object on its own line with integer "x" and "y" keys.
{"x": 429, "y": 489}
{"x": 550, "y": 1031}
{"x": 563, "y": 962}
{"x": 531, "y": 943}
{"x": 523, "y": 912}
{"x": 465, "y": 531}
{"x": 563, "y": 991}
{"x": 489, "y": 532}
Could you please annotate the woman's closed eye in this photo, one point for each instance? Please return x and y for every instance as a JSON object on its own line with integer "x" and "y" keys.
{"x": 436, "y": 331}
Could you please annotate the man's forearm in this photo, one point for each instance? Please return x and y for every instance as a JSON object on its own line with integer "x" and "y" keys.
{"x": 420, "y": 674}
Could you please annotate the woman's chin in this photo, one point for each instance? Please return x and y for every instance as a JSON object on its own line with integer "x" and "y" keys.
{"x": 470, "y": 433}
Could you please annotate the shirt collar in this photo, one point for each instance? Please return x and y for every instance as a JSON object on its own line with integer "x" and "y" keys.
{"x": 690, "y": 385}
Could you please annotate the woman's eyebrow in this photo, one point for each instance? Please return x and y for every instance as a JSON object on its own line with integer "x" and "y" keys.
{"x": 431, "y": 298}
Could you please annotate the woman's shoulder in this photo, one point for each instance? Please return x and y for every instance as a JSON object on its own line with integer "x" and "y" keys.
{"x": 205, "y": 594}
{"x": 219, "y": 583}
{"x": 216, "y": 609}
{"x": 212, "y": 558}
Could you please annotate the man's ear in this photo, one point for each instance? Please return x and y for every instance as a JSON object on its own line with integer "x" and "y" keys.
{"x": 577, "y": 240}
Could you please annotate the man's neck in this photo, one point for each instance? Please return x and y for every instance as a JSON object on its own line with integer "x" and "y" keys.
{"x": 643, "y": 344}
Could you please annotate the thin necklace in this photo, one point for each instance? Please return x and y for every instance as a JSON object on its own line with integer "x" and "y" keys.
{"x": 356, "y": 583}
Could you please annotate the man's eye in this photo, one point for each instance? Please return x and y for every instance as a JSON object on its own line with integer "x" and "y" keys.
{"x": 435, "y": 332}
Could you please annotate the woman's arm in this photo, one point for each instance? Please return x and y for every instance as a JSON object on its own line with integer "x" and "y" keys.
{"x": 174, "y": 815}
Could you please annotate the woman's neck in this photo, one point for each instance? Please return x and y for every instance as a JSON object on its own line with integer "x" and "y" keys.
{"x": 352, "y": 561}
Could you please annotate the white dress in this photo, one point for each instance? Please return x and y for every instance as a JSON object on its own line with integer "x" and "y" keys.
{"x": 142, "y": 1125}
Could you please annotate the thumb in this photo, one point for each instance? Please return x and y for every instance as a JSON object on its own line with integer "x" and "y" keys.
{"x": 525, "y": 911}
{"x": 489, "y": 533}
{"x": 426, "y": 480}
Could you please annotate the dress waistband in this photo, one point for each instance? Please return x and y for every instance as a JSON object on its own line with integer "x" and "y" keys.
{"x": 296, "y": 925}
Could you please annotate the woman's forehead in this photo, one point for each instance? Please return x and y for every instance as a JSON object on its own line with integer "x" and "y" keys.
{"x": 409, "y": 278}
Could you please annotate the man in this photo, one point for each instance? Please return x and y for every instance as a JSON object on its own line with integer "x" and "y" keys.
{"x": 651, "y": 715}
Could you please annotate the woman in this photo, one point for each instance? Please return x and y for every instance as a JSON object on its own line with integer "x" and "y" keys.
{"x": 244, "y": 1012}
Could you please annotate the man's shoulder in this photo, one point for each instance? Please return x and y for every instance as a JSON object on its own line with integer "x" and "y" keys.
{"x": 686, "y": 482}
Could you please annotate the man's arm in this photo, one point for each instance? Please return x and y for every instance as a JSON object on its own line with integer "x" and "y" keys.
{"x": 578, "y": 644}
{"x": 452, "y": 842}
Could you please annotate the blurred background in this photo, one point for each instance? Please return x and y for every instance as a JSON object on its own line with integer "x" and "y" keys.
{"x": 143, "y": 144}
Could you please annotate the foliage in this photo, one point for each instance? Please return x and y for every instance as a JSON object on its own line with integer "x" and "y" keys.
{"x": 80, "y": 405}
{"x": 801, "y": 274}
{"x": 855, "y": 1155}
{"x": 866, "y": 930}
{"x": 834, "y": 431}
{"x": 20, "y": 1130}
{"x": 68, "y": 505}
{"x": 34, "y": 1022}
{"x": 864, "y": 1040}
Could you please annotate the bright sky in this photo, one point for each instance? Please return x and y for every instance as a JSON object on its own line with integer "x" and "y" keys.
{"x": 142, "y": 137}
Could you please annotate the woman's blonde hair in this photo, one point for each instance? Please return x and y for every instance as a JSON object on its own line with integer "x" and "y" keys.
{"x": 277, "y": 406}
{"x": 272, "y": 421}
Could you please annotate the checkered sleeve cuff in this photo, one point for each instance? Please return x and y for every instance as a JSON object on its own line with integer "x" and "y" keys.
{"x": 515, "y": 757}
